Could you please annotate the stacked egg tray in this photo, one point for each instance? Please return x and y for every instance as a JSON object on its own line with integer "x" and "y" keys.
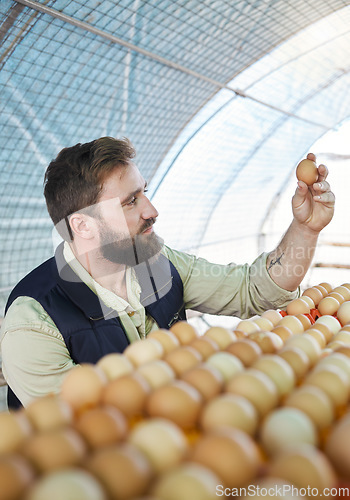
{"x": 261, "y": 411}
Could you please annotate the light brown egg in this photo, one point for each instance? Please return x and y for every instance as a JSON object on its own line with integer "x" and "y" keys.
{"x": 284, "y": 427}
{"x": 205, "y": 346}
{"x": 183, "y": 358}
{"x": 167, "y": 338}
{"x": 298, "y": 306}
{"x": 333, "y": 381}
{"x": 157, "y": 373}
{"x": 247, "y": 326}
{"x": 322, "y": 289}
{"x": 314, "y": 294}
{"x": 336, "y": 359}
{"x": 305, "y": 466}
{"x": 344, "y": 349}
{"x": 278, "y": 370}
{"x": 343, "y": 313}
{"x": 347, "y": 285}
{"x": 309, "y": 301}
{"x": 345, "y": 328}
{"x": 178, "y": 401}
{"x": 49, "y": 413}
{"x": 123, "y": 470}
{"x": 328, "y": 305}
{"x": 283, "y": 332}
{"x": 330, "y": 321}
{"x": 15, "y": 428}
{"x": 307, "y": 172}
{"x": 127, "y": 393}
{"x": 273, "y": 315}
{"x": 115, "y": 365}
{"x": 343, "y": 290}
{"x": 314, "y": 403}
{"x": 257, "y": 387}
{"x": 230, "y": 410}
{"x": 246, "y": 350}
{"x": 222, "y": 336}
{"x": 230, "y": 453}
{"x": 227, "y": 364}
{"x": 337, "y": 446}
{"x": 332, "y": 346}
{"x": 52, "y": 450}
{"x": 67, "y": 483}
{"x": 102, "y": 426}
{"x": 268, "y": 342}
{"x": 293, "y": 323}
{"x": 297, "y": 359}
{"x": 16, "y": 476}
{"x": 337, "y": 296}
{"x": 264, "y": 323}
{"x": 161, "y": 441}
{"x": 308, "y": 344}
{"x": 82, "y": 386}
{"x": 327, "y": 286}
{"x": 318, "y": 336}
{"x": 304, "y": 320}
{"x": 143, "y": 351}
{"x": 206, "y": 379}
{"x": 184, "y": 332}
{"x": 187, "y": 481}
{"x": 324, "y": 329}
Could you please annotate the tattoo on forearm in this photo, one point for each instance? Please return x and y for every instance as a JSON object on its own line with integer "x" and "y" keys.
{"x": 276, "y": 261}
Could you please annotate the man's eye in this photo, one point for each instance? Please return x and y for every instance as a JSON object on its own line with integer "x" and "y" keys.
{"x": 132, "y": 201}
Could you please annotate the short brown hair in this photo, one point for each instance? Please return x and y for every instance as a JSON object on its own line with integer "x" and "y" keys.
{"x": 74, "y": 179}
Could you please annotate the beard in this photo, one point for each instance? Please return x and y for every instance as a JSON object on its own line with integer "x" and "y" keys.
{"x": 129, "y": 250}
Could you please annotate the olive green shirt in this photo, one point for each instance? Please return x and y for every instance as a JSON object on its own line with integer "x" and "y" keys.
{"x": 35, "y": 358}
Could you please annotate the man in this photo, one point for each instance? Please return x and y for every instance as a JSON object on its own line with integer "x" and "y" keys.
{"x": 113, "y": 281}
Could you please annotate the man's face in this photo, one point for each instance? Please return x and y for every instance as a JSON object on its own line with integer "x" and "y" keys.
{"x": 126, "y": 218}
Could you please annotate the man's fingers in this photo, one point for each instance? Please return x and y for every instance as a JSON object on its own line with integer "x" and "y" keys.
{"x": 311, "y": 157}
{"x": 327, "y": 198}
{"x": 322, "y": 172}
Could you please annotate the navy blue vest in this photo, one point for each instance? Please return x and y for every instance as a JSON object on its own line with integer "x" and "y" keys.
{"x": 89, "y": 328}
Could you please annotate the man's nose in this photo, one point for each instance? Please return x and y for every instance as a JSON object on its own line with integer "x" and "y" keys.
{"x": 149, "y": 211}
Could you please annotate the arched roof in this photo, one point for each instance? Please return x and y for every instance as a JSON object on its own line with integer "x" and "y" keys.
{"x": 220, "y": 98}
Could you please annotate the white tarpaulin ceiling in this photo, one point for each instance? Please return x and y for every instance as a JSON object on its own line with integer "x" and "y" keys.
{"x": 220, "y": 98}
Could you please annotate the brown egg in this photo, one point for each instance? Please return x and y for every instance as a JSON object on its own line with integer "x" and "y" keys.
{"x": 231, "y": 410}
{"x": 123, "y": 470}
{"x": 167, "y": 338}
{"x": 330, "y": 321}
{"x": 178, "y": 401}
{"x": 183, "y": 358}
{"x": 222, "y": 336}
{"x": 161, "y": 441}
{"x": 345, "y": 328}
{"x": 344, "y": 349}
{"x": 230, "y": 453}
{"x": 307, "y": 172}
{"x": 297, "y": 359}
{"x": 127, "y": 393}
{"x": 305, "y": 466}
{"x": 247, "y": 326}
{"x": 206, "y": 379}
{"x": 16, "y": 476}
{"x": 343, "y": 290}
{"x": 328, "y": 305}
{"x": 284, "y": 427}
{"x": 143, "y": 351}
{"x": 246, "y": 350}
{"x": 283, "y": 332}
{"x": 227, "y": 364}
{"x": 67, "y": 483}
{"x": 240, "y": 334}
{"x": 278, "y": 370}
{"x": 157, "y": 373}
{"x": 298, "y": 306}
{"x": 187, "y": 481}
{"x": 337, "y": 296}
{"x": 314, "y": 403}
{"x": 49, "y": 413}
{"x": 115, "y": 365}
{"x": 314, "y": 294}
{"x": 327, "y": 286}
{"x": 264, "y": 323}
{"x": 333, "y": 381}
{"x": 14, "y": 430}
{"x": 343, "y": 313}
{"x": 305, "y": 321}
{"x": 324, "y": 329}
{"x": 332, "y": 346}
{"x": 338, "y": 446}
{"x": 347, "y": 285}
{"x": 102, "y": 426}
{"x": 308, "y": 344}
{"x": 318, "y": 336}
{"x": 336, "y": 359}
{"x": 268, "y": 342}
{"x": 52, "y": 450}
{"x": 184, "y": 332}
{"x": 293, "y": 323}
{"x": 309, "y": 301}
{"x": 257, "y": 387}
{"x": 273, "y": 315}
{"x": 205, "y": 346}
{"x": 82, "y": 386}
{"x": 322, "y": 290}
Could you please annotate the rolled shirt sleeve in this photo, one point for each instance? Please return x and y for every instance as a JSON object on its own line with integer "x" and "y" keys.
{"x": 231, "y": 290}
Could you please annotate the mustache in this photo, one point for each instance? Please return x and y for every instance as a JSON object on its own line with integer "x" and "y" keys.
{"x": 148, "y": 223}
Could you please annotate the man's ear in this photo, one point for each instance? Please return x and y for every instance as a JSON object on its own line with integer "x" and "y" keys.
{"x": 82, "y": 225}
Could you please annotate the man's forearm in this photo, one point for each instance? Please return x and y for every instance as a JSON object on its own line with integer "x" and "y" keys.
{"x": 289, "y": 262}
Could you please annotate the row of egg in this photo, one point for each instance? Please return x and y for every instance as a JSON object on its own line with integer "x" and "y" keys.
{"x": 177, "y": 415}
